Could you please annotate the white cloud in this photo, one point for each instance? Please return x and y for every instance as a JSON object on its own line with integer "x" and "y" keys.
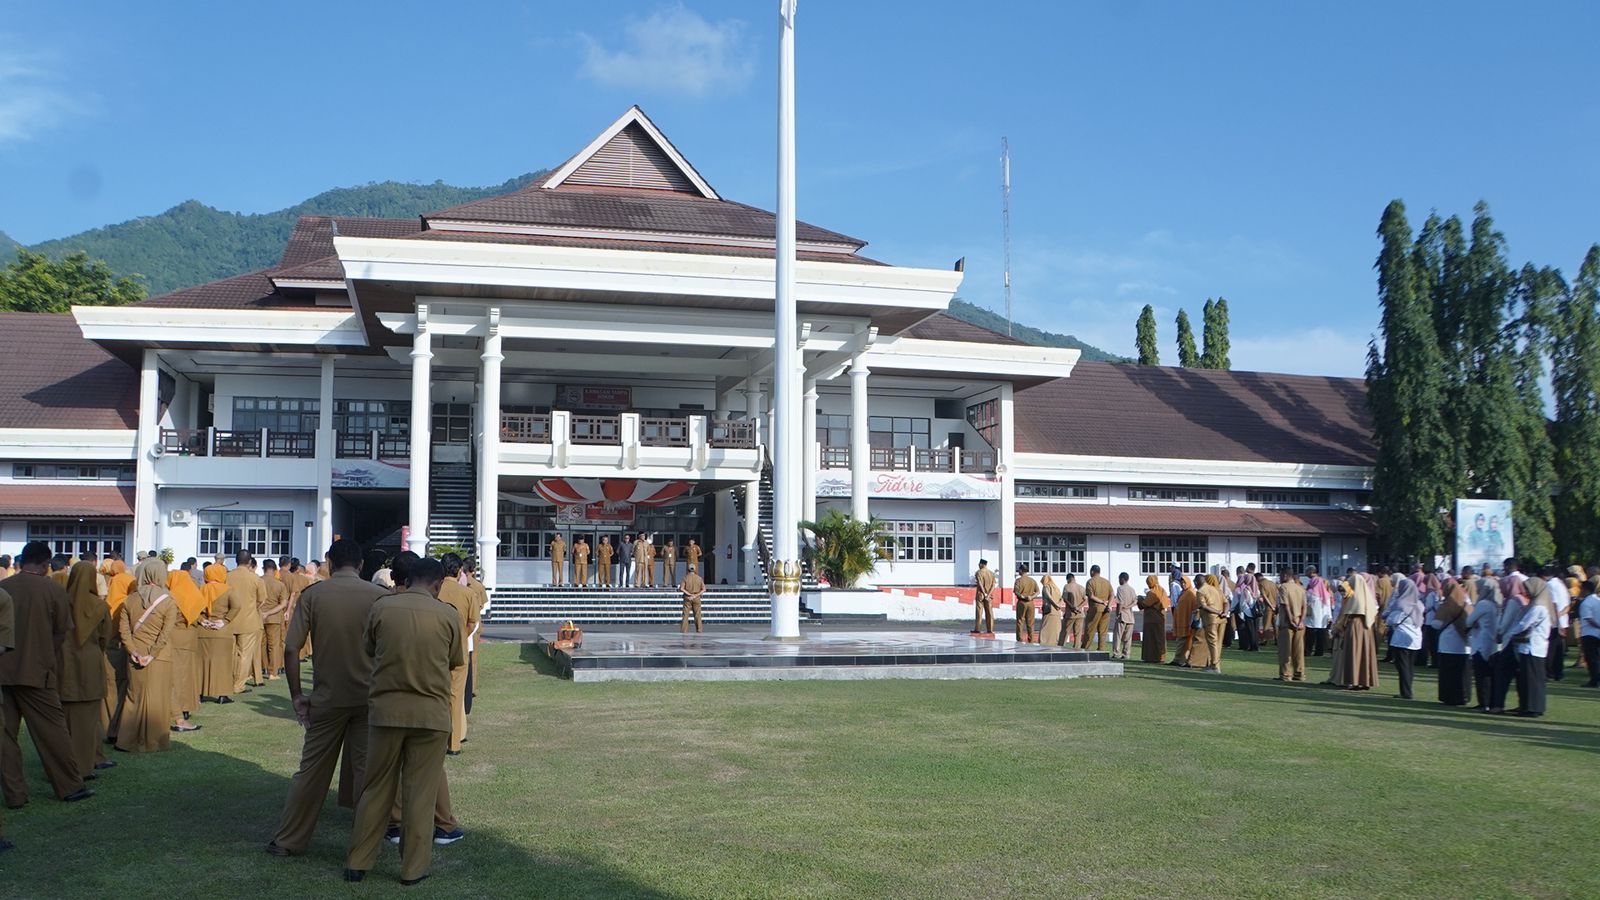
{"x": 1317, "y": 351}
{"x": 673, "y": 50}
{"x": 31, "y": 97}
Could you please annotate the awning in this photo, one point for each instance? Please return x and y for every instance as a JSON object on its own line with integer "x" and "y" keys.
{"x": 1132, "y": 519}
{"x": 66, "y": 501}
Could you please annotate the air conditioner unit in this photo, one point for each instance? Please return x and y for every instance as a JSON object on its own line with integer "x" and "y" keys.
{"x": 180, "y": 517}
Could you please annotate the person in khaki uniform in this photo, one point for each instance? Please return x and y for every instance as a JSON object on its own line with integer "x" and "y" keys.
{"x": 250, "y": 597}
{"x": 28, "y": 680}
{"x": 148, "y": 619}
{"x": 215, "y": 639}
{"x": 1126, "y": 603}
{"x": 580, "y": 563}
{"x": 1291, "y": 625}
{"x": 414, "y": 641}
{"x": 558, "y": 561}
{"x": 1050, "y": 631}
{"x": 693, "y": 588}
{"x": 334, "y": 613}
{"x": 1213, "y": 618}
{"x": 1025, "y": 590}
{"x": 651, "y": 554}
{"x": 466, "y": 606}
{"x": 983, "y": 599}
{"x": 1094, "y": 623}
{"x": 691, "y": 555}
{"x": 603, "y": 554}
{"x": 1077, "y": 601}
{"x": 641, "y": 561}
{"x": 669, "y": 563}
{"x": 271, "y": 653}
{"x": 83, "y": 667}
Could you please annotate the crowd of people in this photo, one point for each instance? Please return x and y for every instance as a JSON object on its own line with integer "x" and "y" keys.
{"x": 634, "y": 561}
{"x": 93, "y": 655}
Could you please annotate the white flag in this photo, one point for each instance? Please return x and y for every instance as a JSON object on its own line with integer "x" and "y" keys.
{"x": 786, "y": 11}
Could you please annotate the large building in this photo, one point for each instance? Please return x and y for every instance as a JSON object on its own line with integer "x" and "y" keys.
{"x": 592, "y": 354}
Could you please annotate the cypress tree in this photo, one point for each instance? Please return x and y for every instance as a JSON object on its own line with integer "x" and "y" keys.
{"x": 1575, "y": 377}
{"x": 1216, "y": 338}
{"x": 1145, "y": 337}
{"x": 1187, "y": 357}
{"x": 1411, "y": 481}
{"x": 1208, "y": 334}
{"x": 1436, "y": 257}
{"x": 1534, "y": 509}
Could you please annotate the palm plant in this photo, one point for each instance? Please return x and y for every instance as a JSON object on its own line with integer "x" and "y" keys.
{"x": 842, "y": 549}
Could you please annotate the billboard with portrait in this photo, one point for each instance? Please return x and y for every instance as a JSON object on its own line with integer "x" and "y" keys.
{"x": 1484, "y": 535}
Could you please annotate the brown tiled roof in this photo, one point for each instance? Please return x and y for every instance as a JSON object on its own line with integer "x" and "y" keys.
{"x": 945, "y": 327}
{"x": 1119, "y": 409}
{"x": 311, "y": 243}
{"x": 1199, "y": 520}
{"x": 89, "y": 501}
{"x": 630, "y": 209}
{"x": 541, "y": 240}
{"x": 252, "y": 290}
{"x": 54, "y": 378}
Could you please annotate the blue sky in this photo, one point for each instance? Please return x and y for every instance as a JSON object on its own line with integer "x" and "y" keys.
{"x": 1162, "y": 152}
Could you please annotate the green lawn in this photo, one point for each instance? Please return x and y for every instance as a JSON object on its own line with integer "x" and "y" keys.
{"x": 1162, "y": 783}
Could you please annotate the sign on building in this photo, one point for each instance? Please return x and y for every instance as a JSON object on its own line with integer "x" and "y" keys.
{"x": 594, "y": 397}
{"x": 1484, "y": 535}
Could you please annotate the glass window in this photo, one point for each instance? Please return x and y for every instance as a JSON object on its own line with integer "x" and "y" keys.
{"x": 291, "y": 414}
{"x": 264, "y": 533}
{"x": 920, "y": 541}
{"x": 898, "y": 432}
{"x": 1053, "y": 554}
{"x": 387, "y": 417}
{"x": 833, "y": 430}
{"x": 1174, "y": 494}
{"x": 1060, "y": 491}
{"x": 73, "y": 471}
{"x": 85, "y": 540}
{"x": 1298, "y": 554}
{"x": 1287, "y": 498}
{"x": 1158, "y": 553}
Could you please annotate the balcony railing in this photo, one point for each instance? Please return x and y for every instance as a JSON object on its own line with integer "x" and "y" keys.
{"x": 833, "y": 457}
{"x": 596, "y": 430}
{"x": 372, "y": 445}
{"x": 184, "y": 442}
{"x": 292, "y": 444}
{"x": 981, "y": 461}
{"x": 236, "y": 443}
{"x": 663, "y": 432}
{"x": 525, "y": 428}
{"x": 936, "y": 460}
{"x": 731, "y": 434}
{"x": 890, "y": 459}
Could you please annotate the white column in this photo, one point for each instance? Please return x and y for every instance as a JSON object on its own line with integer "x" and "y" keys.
{"x": 748, "y": 551}
{"x": 489, "y": 455}
{"x": 144, "y": 495}
{"x": 327, "y": 445}
{"x": 808, "y": 434}
{"x": 788, "y": 453}
{"x": 860, "y": 446}
{"x": 1008, "y": 494}
{"x": 421, "y": 430}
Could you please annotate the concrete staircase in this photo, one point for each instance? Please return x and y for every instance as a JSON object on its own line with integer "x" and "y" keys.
{"x": 808, "y": 577}
{"x": 451, "y": 518}
{"x": 529, "y": 604}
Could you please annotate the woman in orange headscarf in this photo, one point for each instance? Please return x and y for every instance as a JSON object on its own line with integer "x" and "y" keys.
{"x": 117, "y": 584}
{"x": 215, "y": 638}
{"x": 186, "y": 648}
{"x": 1184, "y": 629}
{"x": 1153, "y": 638}
{"x": 83, "y": 667}
{"x": 147, "y": 622}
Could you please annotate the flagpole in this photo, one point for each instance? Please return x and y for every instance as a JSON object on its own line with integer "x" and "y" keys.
{"x": 787, "y": 442}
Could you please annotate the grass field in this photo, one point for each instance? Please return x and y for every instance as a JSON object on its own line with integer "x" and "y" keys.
{"x": 1161, "y": 783}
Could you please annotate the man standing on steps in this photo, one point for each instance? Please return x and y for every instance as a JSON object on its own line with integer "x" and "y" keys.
{"x": 250, "y": 596}
{"x": 669, "y": 568}
{"x": 691, "y": 555}
{"x": 625, "y": 549}
{"x": 558, "y": 560}
{"x": 693, "y": 588}
{"x": 603, "y": 556}
{"x": 580, "y": 562}
{"x": 983, "y": 600}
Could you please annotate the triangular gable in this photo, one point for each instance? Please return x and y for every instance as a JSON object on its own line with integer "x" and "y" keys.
{"x": 632, "y": 153}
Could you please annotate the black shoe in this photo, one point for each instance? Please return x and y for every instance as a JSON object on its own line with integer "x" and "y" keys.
{"x": 110, "y": 740}
{"x": 79, "y": 794}
{"x": 408, "y": 882}
{"x": 452, "y": 753}
{"x": 227, "y": 699}
{"x": 207, "y": 699}
{"x": 392, "y": 834}
{"x": 91, "y": 777}
{"x": 16, "y": 806}
{"x": 105, "y": 764}
{"x": 444, "y": 838}
{"x": 5, "y": 845}
{"x": 274, "y": 850}
{"x": 354, "y": 874}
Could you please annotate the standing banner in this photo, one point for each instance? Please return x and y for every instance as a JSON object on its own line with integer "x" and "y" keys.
{"x": 1484, "y": 534}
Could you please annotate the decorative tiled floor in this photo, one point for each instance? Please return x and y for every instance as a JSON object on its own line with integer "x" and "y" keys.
{"x": 819, "y": 655}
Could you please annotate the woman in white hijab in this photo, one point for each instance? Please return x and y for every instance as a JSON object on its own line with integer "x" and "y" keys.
{"x": 1404, "y": 615}
{"x": 1360, "y": 610}
{"x": 1483, "y": 634}
{"x": 1530, "y": 641}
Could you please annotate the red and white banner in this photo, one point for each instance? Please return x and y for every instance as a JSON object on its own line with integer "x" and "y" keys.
{"x": 913, "y": 485}
{"x": 567, "y": 491}
{"x": 595, "y": 514}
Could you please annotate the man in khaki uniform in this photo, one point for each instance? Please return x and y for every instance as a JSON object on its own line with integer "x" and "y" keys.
{"x": 1213, "y": 618}
{"x": 691, "y": 555}
{"x": 983, "y": 599}
{"x": 1126, "y": 602}
{"x": 250, "y": 596}
{"x": 1025, "y": 590}
{"x": 603, "y": 555}
{"x": 1291, "y": 625}
{"x": 693, "y": 587}
{"x": 669, "y": 563}
{"x": 580, "y": 562}
{"x": 644, "y": 556}
{"x": 1076, "y": 601}
{"x": 271, "y": 652}
{"x": 558, "y": 561}
{"x": 1094, "y": 624}
{"x": 465, "y": 604}
{"x": 414, "y": 641}
{"x": 28, "y": 679}
{"x": 334, "y": 613}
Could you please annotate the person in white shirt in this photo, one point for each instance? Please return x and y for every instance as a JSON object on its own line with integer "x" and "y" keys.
{"x": 1482, "y": 634}
{"x": 1431, "y": 598}
{"x": 1455, "y": 680}
{"x": 1589, "y": 631}
{"x": 1530, "y": 640}
{"x": 1404, "y": 614}
{"x": 1560, "y": 600}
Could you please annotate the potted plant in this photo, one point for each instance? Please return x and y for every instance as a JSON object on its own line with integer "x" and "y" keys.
{"x": 842, "y": 549}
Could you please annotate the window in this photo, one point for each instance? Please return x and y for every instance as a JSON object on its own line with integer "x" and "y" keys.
{"x": 833, "y": 430}
{"x": 452, "y": 423}
{"x": 897, "y": 432}
{"x": 1298, "y": 554}
{"x": 74, "y": 471}
{"x": 984, "y": 417}
{"x": 1287, "y": 498}
{"x": 261, "y": 532}
{"x": 291, "y": 414}
{"x": 85, "y": 540}
{"x": 1157, "y": 554}
{"x": 387, "y": 417}
{"x": 1053, "y": 554}
{"x": 1173, "y": 494}
{"x": 922, "y": 541}
{"x": 1058, "y": 491}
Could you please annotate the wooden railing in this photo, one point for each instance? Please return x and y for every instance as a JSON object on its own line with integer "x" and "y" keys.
{"x": 732, "y": 434}
{"x": 981, "y": 461}
{"x": 353, "y": 445}
{"x": 292, "y": 444}
{"x": 936, "y": 460}
{"x": 663, "y": 432}
{"x": 525, "y": 428}
{"x": 239, "y": 444}
{"x": 834, "y": 457}
{"x": 184, "y": 441}
{"x": 893, "y": 459}
{"x": 596, "y": 430}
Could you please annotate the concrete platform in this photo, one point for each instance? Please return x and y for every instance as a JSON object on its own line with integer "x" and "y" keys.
{"x": 818, "y": 656}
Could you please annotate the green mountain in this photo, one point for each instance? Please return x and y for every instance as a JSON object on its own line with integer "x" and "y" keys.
{"x": 193, "y": 243}
{"x": 977, "y": 315}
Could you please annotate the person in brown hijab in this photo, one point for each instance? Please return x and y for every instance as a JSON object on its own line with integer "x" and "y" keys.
{"x": 249, "y": 598}
{"x": 215, "y": 638}
{"x": 1054, "y": 619}
{"x": 28, "y": 680}
{"x": 1291, "y": 625}
{"x": 1184, "y": 629}
{"x": 148, "y": 619}
{"x": 1213, "y": 606}
{"x": 83, "y": 667}
{"x": 1360, "y": 651}
{"x": 1076, "y": 603}
{"x": 186, "y": 646}
{"x": 1153, "y": 638}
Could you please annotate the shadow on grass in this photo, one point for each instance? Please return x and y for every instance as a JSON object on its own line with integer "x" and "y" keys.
{"x": 1378, "y": 706}
{"x": 274, "y": 704}
{"x": 194, "y": 823}
{"x": 531, "y": 655}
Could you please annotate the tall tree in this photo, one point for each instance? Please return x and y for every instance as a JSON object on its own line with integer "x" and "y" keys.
{"x": 1406, "y": 396}
{"x": 1187, "y": 356}
{"x": 1215, "y": 338}
{"x": 1575, "y": 377}
{"x": 1537, "y": 293}
{"x": 1485, "y": 399}
{"x": 1145, "y": 338}
{"x": 1437, "y": 259}
{"x": 34, "y": 282}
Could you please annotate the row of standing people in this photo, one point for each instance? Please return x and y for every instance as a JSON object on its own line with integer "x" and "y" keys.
{"x": 634, "y": 561}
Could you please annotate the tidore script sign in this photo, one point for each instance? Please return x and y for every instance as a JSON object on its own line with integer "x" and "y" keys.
{"x": 914, "y": 485}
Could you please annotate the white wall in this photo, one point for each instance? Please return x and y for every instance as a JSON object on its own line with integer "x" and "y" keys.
{"x": 184, "y": 539}
{"x": 973, "y": 539}
{"x": 13, "y": 534}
